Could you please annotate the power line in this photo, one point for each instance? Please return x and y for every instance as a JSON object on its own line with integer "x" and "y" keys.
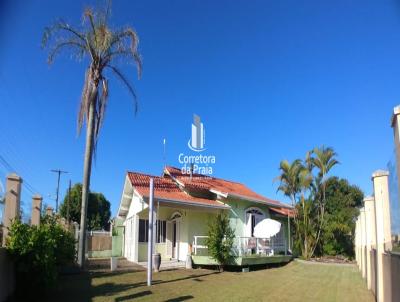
{"x": 10, "y": 168}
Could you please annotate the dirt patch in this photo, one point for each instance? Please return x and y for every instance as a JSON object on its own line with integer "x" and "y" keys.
{"x": 332, "y": 259}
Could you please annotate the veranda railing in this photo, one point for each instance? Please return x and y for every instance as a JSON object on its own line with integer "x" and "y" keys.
{"x": 244, "y": 246}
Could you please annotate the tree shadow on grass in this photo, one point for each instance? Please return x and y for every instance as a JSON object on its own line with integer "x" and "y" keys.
{"x": 181, "y": 298}
{"x": 185, "y": 278}
{"x": 80, "y": 288}
{"x": 133, "y": 296}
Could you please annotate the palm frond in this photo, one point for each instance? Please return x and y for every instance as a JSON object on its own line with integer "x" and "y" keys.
{"x": 72, "y": 44}
{"x": 125, "y": 81}
{"x": 84, "y": 103}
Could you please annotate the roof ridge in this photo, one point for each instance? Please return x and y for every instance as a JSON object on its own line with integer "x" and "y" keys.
{"x": 207, "y": 176}
{"x": 144, "y": 174}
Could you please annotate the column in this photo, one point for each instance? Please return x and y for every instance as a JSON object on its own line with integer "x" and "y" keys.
{"x": 12, "y": 202}
{"x": 383, "y": 232}
{"x": 356, "y": 241}
{"x": 363, "y": 242}
{"x": 369, "y": 206}
{"x": 49, "y": 211}
{"x": 395, "y": 123}
{"x": 36, "y": 209}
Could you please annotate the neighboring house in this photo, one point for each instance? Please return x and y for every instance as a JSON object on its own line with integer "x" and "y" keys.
{"x": 185, "y": 204}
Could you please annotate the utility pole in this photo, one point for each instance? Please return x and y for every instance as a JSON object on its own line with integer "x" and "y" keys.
{"x": 59, "y": 172}
{"x": 150, "y": 237}
{"x": 69, "y": 200}
{"x": 165, "y": 153}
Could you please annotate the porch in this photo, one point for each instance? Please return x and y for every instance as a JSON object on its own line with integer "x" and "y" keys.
{"x": 246, "y": 251}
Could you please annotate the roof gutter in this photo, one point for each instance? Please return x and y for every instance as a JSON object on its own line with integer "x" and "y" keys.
{"x": 196, "y": 204}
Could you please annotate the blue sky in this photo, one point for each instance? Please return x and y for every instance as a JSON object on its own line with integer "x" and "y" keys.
{"x": 270, "y": 80}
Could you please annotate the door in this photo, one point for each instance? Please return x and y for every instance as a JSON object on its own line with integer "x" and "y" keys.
{"x": 173, "y": 235}
{"x": 174, "y": 240}
{"x": 169, "y": 239}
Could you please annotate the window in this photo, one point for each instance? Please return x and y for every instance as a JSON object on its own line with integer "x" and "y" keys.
{"x": 143, "y": 230}
{"x": 161, "y": 228}
{"x": 161, "y": 231}
{"x": 253, "y": 216}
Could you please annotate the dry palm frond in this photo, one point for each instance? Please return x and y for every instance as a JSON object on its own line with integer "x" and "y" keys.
{"x": 103, "y": 47}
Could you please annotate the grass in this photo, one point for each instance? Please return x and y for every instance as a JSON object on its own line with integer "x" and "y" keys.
{"x": 292, "y": 282}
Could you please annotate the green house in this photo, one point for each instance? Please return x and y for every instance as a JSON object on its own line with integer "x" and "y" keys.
{"x": 184, "y": 206}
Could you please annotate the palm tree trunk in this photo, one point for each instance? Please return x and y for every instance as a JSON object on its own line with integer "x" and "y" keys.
{"x": 87, "y": 168}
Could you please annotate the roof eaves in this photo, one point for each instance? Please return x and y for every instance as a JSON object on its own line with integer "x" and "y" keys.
{"x": 196, "y": 204}
{"x": 219, "y": 193}
{"x": 280, "y": 205}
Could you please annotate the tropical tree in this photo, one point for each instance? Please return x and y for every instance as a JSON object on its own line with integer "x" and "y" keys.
{"x": 305, "y": 225}
{"x": 289, "y": 179}
{"x": 101, "y": 47}
{"x": 289, "y": 184}
{"x": 322, "y": 159}
{"x": 341, "y": 210}
{"x": 307, "y": 193}
{"x": 98, "y": 213}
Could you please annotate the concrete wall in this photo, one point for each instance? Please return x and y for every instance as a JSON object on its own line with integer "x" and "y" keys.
{"x": 395, "y": 276}
{"x": 373, "y": 271}
{"x": 7, "y": 276}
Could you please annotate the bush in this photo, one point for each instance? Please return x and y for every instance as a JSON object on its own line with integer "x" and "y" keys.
{"x": 38, "y": 252}
{"x": 220, "y": 240}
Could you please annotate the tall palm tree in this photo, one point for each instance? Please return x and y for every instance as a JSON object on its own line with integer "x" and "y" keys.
{"x": 289, "y": 184}
{"x": 323, "y": 159}
{"x": 101, "y": 46}
{"x": 305, "y": 179}
{"x": 289, "y": 179}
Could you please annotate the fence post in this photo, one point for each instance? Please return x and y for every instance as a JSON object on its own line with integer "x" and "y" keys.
{"x": 49, "y": 211}
{"x": 12, "y": 202}
{"x": 383, "y": 232}
{"x": 363, "y": 234}
{"x": 395, "y": 123}
{"x": 371, "y": 235}
{"x": 36, "y": 208}
{"x": 357, "y": 241}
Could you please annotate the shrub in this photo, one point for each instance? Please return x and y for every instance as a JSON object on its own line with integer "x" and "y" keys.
{"x": 220, "y": 240}
{"x": 38, "y": 252}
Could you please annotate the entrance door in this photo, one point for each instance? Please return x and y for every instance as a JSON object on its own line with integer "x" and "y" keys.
{"x": 173, "y": 226}
{"x": 174, "y": 245}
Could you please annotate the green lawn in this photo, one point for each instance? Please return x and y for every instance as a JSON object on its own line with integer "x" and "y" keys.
{"x": 293, "y": 282}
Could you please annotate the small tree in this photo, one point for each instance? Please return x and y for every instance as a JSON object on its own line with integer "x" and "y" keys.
{"x": 220, "y": 240}
{"x": 99, "y": 211}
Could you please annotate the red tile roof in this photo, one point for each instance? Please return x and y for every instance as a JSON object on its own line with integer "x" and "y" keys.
{"x": 166, "y": 189}
{"x": 226, "y": 187}
{"x": 283, "y": 211}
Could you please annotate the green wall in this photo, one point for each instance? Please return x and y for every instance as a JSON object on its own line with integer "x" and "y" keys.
{"x": 237, "y": 214}
{"x": 117, "y": 238}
